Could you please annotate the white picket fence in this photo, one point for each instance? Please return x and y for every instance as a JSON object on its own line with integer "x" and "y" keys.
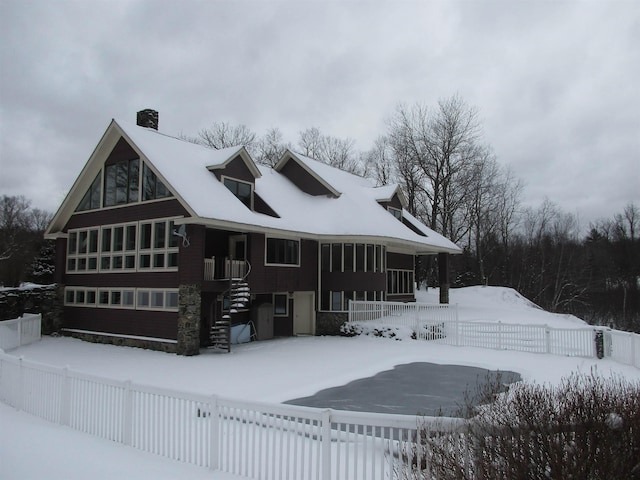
{"x": 20, "y": 331}
{"x": 440, "y": 324}
{"x": 249, "y": 439}
{"x": 263, "y": 441}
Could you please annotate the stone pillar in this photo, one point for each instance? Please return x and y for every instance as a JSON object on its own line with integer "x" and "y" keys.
{"x": 189, "y": 300}
{"x": 443, "y": 276}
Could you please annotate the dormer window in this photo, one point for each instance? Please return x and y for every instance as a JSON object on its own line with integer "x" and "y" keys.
{"x": 242, "y": 190}
{"x": 396, "y": 212}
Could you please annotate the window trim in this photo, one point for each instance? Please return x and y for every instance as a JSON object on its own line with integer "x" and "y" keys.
{"x": 275, "y": 264}
{"x": 224, "y": 178}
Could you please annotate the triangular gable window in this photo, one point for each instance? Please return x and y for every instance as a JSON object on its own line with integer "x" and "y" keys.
{"x": 91, "y": 199}
{"x": 152, "y": 186}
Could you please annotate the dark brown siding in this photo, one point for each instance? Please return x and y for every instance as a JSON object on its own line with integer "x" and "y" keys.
{"x": 137, "y": 280}
{"x": 122, "y": 151}
{"x": 354, "y": 281}
{"x": 269, "y": 279}
{"x": 400, "y": 261}
{"x": 303, "y": 180}
{"x": 123, "y": 322}
{"x": 128, "y": 213}
{"x": 236, "y": 168}
{"x": 191, "y": 258}
{"x": 61, "y": 260}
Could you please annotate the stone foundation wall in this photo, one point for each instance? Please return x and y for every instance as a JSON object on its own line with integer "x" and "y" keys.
{"x": 124, "y": 342}
{"x": 44, "y": 299}
{"x": 190, "y": 300}
{"x": 329, "y": 323}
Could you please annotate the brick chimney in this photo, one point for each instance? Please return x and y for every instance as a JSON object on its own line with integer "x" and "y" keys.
{"x": 148, "y": 118}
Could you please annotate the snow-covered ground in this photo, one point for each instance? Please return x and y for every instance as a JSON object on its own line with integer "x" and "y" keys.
{"x": 272, "y": 371}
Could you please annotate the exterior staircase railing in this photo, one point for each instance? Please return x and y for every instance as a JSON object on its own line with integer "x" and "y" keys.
{"x": 239, "y": 296}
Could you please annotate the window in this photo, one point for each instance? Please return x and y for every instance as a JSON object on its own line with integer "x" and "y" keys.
{"x": 126, "y": 247}
{"x": 281, "y": 251}
{"x": 399, "y": 282}
{"x": 128, "y": 298}
{"x": 280, "y": 304}
{"x": 152, "y": 187}
{"x": 158, "y": 246}
{"x": 91, "y": 199}
{"x": 121, "y": 182}
{"x": 80, "y": 296}
{"x": 349, "y": 257}
{"x": 242, "y": 190}
{"x": 82, "y": 251}
{"x": 336, "y": 301}
{"x": 396, "y": 212}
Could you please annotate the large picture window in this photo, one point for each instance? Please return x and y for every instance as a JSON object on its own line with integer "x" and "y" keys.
{"x": 128, "y": 298}
{"x": 399, "y": 282}
{"x": 282, "y": 251}
{"x": 91, "y": 199}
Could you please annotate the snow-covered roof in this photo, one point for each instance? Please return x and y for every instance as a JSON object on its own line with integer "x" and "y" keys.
{"x": 355, "y": 212}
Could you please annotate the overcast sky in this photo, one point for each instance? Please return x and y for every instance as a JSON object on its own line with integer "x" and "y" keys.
{"x": 556, "y": 83}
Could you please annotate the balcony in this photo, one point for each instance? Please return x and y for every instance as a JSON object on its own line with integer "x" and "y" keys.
{"x": 223, "y": 268}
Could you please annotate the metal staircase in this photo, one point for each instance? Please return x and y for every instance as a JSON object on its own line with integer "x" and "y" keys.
{"x": 239, "y": 296}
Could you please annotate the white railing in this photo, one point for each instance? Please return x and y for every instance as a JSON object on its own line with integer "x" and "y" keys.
{"x": 400, "y": 313}
{"x": 209, "y": 269}
{"x": 20, "y": 331}
{"x": 249, "y": 439}
{"x": 440, "y": 323}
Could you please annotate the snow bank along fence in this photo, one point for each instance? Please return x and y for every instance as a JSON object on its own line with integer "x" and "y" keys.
{"x": 440, "y": 323}
{"x": 253, "y": 440}
{"x": 20, "y": 331}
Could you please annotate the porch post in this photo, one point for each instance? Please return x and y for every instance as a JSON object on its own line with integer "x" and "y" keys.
{"x": 443, "y": 277}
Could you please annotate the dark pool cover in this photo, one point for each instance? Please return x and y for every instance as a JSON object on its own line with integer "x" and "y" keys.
{"x": 414, "y": 388}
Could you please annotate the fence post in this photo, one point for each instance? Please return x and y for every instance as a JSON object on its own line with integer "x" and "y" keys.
{"x": 326, "y": 444}
{"x": 65, "y": 398}
{"x": 214, "y": 434}
{"x": 127, "y": 414}
{"x": 547, "y": 337}
{"x": 20, "y": 395}
{"x": 20, "y": 320}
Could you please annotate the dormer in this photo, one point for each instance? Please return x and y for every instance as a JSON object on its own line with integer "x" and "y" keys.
{"x": 391, "y": 198}
{"x": 238, "y": 174}
{"x": 303, "y": 176}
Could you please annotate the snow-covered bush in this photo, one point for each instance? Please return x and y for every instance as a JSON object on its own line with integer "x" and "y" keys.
{"x": 376, "y": 330}
{"x": 586, "y": 428}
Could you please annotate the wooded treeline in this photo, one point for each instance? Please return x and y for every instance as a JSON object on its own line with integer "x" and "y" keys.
{"x": 452, "y": 182}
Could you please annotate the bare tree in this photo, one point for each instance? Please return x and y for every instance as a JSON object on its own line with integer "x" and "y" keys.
{"x": 337, "y": 152}
{"x": 223, "y": 134}
{"x": 270, "y": 148}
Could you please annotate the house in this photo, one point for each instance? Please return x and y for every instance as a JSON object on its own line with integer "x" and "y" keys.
{"x": 166, "y": 244}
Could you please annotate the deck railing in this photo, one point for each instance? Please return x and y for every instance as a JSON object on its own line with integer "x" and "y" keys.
{"x": 20, "y": 331}
{"x": 220, "y": 268}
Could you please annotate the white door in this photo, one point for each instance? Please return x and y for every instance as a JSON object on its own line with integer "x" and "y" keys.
{"x": 304, "y": 313}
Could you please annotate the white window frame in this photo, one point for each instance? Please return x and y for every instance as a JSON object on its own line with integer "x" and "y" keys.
{"x": 396, "y": 212}
{"x": 167, "y": 294}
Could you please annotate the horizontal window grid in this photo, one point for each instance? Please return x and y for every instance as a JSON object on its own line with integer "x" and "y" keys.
{"x": 129, "y": 247}
{"x": 156, "y": 299}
